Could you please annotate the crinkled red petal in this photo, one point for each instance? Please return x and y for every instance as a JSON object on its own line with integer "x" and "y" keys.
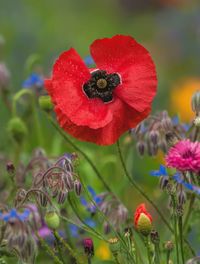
{"x": 124, "y": 118}
{"x": 65, "y": 88}
{"x": 122, "y": 54}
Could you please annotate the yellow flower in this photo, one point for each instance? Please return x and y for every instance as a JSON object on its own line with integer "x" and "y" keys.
{"x": 103, "y": 251}
{"x": 180, "y": 98}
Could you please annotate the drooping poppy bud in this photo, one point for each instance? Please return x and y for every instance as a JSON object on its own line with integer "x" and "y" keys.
{"x": 143, "y": 220}
{"x": 52, "y": 220}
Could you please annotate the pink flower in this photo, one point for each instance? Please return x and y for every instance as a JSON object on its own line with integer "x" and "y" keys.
{"x": 184, "y": 156}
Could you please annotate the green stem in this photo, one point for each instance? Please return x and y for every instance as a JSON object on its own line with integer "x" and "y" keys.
{"x": 175, "y": 228}
{"x": 180, "y": 224}
{"x": 56, "y": 235}
{"x": 146, "y": 242}
{"x": 157, "y": 254}
{"x": 137, "y": 187}
{"x": 190, "y": 208}
{"x": 168, "y": 256}
{"x": 67, "y": 247}
{"x": 48, "y": 250}
{"x": 89, "y": 260}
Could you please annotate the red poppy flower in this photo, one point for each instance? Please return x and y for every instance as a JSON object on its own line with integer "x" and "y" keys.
{"x": 98, "y": 105}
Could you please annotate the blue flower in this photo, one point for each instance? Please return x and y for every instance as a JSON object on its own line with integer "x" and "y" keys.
{"x": 158, "y": 173}
{"x": 89, "y": 60}
{"x": 13, "y": 214}
{"x": 75, "y": 230}
{"x": 96, "y": 198}
{"x": 177, "y": 177}
{"x": 34, "y": 79}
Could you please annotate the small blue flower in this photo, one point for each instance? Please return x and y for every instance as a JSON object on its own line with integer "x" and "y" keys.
{"x": 75, "y": 230}
{"x": 189, "y": 186}
{"x": 158, "y": 173}
{"x": 34, "y": 79}
{"x": 13, "y": 214}
{"x": 96, "y": 198}
{"x": 89, "y": 60}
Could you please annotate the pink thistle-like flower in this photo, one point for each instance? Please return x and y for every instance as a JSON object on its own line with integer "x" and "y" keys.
{"x": 184, "y": 156}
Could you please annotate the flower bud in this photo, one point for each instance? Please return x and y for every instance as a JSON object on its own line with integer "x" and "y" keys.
{"x": 45, "y": 103}
{"x": 17, "y": 129}
{"x": 4, "y": 78}
{"x": 77, "y": 187}
{"x": 114, "y": 245}
{"x": 154, "y": 136}
{"x": 141, "y": 147}
{"x": 171, "y": 139}
{"x": 10, "y": 168}
{"x": 155, "y": 239}
{"x": 196, "y": 102}
{"x": 197, "y": 121}
{"x": 52, "y": 220}
{"x": 169, "y": 246}
{"x": 143, "y": 220}
{"x": 88, "y": 247}
{"x": 166, "y": 124}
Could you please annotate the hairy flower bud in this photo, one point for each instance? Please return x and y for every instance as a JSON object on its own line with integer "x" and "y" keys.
{"x": 196, "y": 102}
{"x": 45, "y": 103}
{"x": 17, "y": 129}
{"x": 169, "y": 246}
{"x": 143, "y": 220}
{"x": 154, "y": 136}
{"x": 197, "y": 121}
{"x": 4, "y": 78}
{"x": 166, "y": 124}
{"x": 141, "y": 146}
{"x": 171, "y": 139}
{"x": 155, "y": 239}
{"x": 77, "y": 187}
{"x": 10, "y": 168}
{"x": 52, "y": 220}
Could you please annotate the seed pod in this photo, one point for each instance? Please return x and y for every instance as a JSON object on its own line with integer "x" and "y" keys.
{"x": 77, "y": 187}
{"x": 114, "y": 245}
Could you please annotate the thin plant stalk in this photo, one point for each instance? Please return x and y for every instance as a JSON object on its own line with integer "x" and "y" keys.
{"x": 180, "y": 225}
{"x": 67, "y": 247}
{"x": 49, "y": 250}
{"x": 175, "y": 228}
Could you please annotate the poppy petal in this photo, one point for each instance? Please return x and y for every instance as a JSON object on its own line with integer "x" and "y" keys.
{"x": 123, "y": 55}
{"x": 65, "y": 88}
{"x": 124, "y": 118}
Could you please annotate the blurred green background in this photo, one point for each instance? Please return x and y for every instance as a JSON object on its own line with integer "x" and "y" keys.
{"x": 169, "y": 29}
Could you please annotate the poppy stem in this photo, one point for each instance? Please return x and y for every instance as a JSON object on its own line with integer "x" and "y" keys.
{"x": 138, "y": 188}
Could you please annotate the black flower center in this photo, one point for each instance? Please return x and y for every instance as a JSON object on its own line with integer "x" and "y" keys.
{"x": 101, "y": 85}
